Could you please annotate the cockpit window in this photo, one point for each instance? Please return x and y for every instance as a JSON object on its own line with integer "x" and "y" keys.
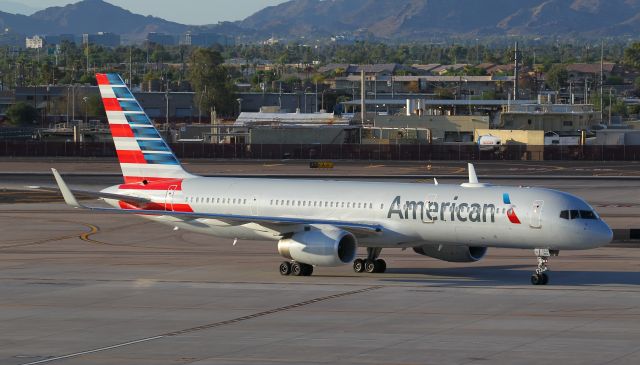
{"x": 578, "y": 214}
{"x": 587, "y": 214}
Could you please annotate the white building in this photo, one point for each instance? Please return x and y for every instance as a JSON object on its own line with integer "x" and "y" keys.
{"x": 34, "y": 42}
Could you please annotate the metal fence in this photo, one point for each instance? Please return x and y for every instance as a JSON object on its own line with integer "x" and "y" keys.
{"x": 455, "y": 152}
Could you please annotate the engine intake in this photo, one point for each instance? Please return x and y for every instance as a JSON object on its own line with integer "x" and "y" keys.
{"x": 321, "y": 247}
{"x": 452, "y": 253}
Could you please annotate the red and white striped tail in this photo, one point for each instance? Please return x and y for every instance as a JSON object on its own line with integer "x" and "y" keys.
{"x": 143, "y": 154}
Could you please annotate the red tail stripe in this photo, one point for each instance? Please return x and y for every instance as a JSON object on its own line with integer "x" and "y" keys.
{"x": 130, "y": 156}
{"x": 121, "y": 130}
{"x": 102, "y": 79}
{"x": 111, "y": 105}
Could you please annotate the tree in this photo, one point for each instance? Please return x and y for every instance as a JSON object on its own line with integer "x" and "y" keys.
{"x": 95, "y": 107}
{"x": 557, "y": 77}
{"x": 22, "y": 113}
{"x": 632, "y": 55}
{"x": 208, "y": 77}
{"x": 636, "y": 85}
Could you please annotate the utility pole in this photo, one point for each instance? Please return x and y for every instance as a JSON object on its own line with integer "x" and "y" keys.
{"x": 363, "y": 112}
{"x": 516, "y": 75}
{"x": 602, "y": 82}
{"x": 166, "y": 95}
{"x": 130, "y": 68}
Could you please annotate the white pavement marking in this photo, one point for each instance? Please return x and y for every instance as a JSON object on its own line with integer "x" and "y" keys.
{"x": 95, "y": 350}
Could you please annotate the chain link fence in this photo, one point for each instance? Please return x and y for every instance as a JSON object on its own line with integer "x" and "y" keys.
{"x": 451, "y": 152}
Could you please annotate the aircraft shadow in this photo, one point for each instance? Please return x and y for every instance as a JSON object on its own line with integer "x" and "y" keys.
{"x": 510, "y": 275}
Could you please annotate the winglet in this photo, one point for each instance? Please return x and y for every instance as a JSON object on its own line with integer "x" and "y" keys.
{"x": 68, "y": 196}
{"x": 435, "y": 181}
{"x": 473, "y": 178}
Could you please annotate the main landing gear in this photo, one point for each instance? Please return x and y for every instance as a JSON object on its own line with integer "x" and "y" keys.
{"x": 372, "y": 264}
{"x": 540, "y": 277}
{"x": 295, "y": 268}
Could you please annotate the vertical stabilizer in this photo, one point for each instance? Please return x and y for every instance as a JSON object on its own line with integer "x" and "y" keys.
{"x": 142, "y": 153}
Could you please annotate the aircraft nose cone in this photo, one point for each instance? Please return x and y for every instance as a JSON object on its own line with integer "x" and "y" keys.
{"x": 601, "y": 234}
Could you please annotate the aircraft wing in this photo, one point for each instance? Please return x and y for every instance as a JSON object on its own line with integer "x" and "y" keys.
{"x": 276, "y": 223}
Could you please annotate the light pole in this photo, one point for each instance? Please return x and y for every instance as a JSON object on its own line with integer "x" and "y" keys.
{"x": 239, "y": 100}
{"x": 86, "y": 108}
{"x": 305, "y": 99}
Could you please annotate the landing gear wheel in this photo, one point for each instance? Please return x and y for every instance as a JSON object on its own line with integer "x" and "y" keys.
{"x": 545, "y": 279}
{"x": 370, "y": 266}
{"x": 285, "y": 268}
{"x": 296, "y": 269}
{"x": 536, "y": 279}
{"x": 358, "y": 265}
{"x": 300, "y": 269}
{"x": 539, "y": 279}
{"x": 307, "y": 270}
{"x": 380, "y": 266}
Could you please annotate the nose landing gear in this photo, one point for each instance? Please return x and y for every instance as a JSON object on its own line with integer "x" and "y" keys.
{"x": 540, "y": 277}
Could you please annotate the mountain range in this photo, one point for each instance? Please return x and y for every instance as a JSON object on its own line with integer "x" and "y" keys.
{"x": 383, "y": 19}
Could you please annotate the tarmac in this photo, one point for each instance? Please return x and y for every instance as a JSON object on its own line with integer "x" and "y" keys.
{"x": 81, "y": 288}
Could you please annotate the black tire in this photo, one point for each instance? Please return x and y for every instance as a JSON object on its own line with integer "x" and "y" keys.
{"x": 358, "y": 265}
{"x": 307, "y": 270}
{"x": 545, "y": 279}
{"x": 296, "y": 269}
{"x": 536, "y": 279}
{"x": 369, "y": 266}
{"x": 285, "y": 268}
{"x": 381, "y": 266}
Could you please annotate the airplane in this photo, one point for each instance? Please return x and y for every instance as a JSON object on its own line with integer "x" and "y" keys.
{"x": 318, "y": 223}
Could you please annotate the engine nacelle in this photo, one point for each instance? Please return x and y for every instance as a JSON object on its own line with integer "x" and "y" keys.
{"x": 452, "y": 253}
{"x": 321, "y": 247}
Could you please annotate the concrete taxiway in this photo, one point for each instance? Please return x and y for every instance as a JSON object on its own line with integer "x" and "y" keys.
{"x": 81, "y": 288}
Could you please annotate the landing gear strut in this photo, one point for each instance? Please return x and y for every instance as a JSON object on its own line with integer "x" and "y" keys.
{"x": 295, "y": 268}
{"x": 540, "y": 277}
{"x": 372, "y": 264}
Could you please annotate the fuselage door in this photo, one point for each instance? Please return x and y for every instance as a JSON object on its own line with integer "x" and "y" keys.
{"x": 426, "y": 215}
{"x": 168, "y": 201}
{"x": 536, "y": 214}
{"x": 254, "y": 205}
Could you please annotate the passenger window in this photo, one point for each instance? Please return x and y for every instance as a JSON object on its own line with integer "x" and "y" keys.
{"x": 564, "y": 214}
{"x": 342, "y": 204}
{"x": 574, "y": 214}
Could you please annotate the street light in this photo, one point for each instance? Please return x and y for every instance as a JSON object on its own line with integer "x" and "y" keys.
{"x": 86, "y": 110}
{"x": 239, "y": 100}
{"x": 305, "y": 98}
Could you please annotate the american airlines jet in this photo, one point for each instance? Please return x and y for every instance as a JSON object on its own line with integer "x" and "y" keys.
{"x": 322, "y": 223}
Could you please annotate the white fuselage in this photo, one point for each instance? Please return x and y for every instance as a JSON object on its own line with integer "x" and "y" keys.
{"x": 411, "y": 214}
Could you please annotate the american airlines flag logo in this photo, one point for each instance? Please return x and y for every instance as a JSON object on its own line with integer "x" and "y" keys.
{"x": 511, "y": 214}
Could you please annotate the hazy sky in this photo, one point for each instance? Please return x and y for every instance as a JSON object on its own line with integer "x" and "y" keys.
{"x": 194, "y": 12}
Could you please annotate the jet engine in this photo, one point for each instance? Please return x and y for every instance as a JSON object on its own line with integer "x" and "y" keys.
{"x": 452, "y": 253}
{"x": 321, "y": 247}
